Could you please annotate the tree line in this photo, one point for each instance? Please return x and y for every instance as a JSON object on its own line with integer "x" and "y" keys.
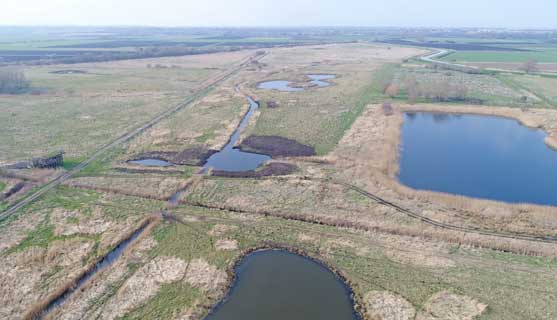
{"x": 13, "y": 81}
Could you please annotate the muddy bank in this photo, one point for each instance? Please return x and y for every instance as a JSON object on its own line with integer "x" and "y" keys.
{"x": 356, "y": 298}
{"x": 54, "y": 161}
{"x": 276, "y": 146}
{"x": 68, "y": 72}
{"x": 271, "y": 169}
{"x": 13, "y": 190}
{"x": 196, "y": 156}
{"x": 148, "y": 171}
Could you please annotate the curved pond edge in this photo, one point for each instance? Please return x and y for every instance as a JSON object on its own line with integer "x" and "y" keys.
{"x": 530, "y": 121}
{"x": 356, "y": 298}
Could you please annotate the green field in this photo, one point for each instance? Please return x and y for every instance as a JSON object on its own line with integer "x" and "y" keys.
{"x": 542, "y": 55}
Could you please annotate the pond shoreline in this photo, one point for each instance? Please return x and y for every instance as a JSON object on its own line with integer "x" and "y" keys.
{"x": 356, "y": 298}
{"x": 394, "y": 131}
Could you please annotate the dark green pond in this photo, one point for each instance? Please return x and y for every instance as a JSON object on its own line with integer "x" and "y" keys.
{"x": 477, "y": 156}
{"x": 278, "y": 285}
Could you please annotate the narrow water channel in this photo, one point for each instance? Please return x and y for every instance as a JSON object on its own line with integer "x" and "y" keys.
{"x": 104, "y": 263}
{"x": 278, "y": 285}
{"x": 233, "y": 159}
{"x": 477, "y": 156}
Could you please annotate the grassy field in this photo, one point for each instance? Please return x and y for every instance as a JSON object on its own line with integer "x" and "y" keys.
{"x": 541, "y": 54}
{"x": 482, "y": 87}
{"x": 330, "y": 110}
{"x": 80, "y": 112}
{"x": 544, "y": 87}
{"x": 513, "y": 286}
{"x": 208, "y": 123}
{"x": 54, "y": 239}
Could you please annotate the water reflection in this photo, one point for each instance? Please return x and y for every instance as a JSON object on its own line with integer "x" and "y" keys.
{"x": 477, "y": 156}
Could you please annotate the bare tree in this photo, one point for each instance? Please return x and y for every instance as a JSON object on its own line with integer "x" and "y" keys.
{"x": 530, "y": 66}
{"x": 12, "y": 81}
{"x": 392, "y": 90}
{"x": 411, "y": 89}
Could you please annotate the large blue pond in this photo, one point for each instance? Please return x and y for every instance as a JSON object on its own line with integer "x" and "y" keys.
{"x": 477, "y": 156}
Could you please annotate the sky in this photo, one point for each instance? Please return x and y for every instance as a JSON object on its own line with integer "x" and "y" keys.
{"x": 253, "y": 13}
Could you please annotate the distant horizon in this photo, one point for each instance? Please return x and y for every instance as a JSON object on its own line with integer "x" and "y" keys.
{"x": 493, "y": 14}
{"x": 270, "y": 27}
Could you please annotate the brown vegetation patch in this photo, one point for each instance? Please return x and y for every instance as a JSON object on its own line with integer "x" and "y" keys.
{"x": 276, "y": 146}
{"x": 269, "y": 169}
{"x": 272, "y": 104}
{"x": 12, "y": 186}
{"x": 449, "y": 306}
{"x": 159, "y": 188}
{"x": 226, "y": 244}
{"x": 384, "y": 305}
{"x": 23, "y": 275}
{"x": 221, "y": 229}
{"x": 84, "y": 224}
{"x": 144, "y": 284}
{"x": 205, "y": 277}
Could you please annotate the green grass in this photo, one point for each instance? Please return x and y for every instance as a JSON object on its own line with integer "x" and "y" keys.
{"x": 2, "y": 186}
{"x": 331, "y": 110}
{"x": 543, "y": 87}
{"x": 167, "y": 304}
{"x": 548, "y": 55}
{"x": 491, "y": 89}
{"x": 71, "y": 162}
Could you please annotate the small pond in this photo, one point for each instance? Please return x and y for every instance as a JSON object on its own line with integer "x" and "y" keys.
{"x": 318, "y": 79}
{"x": 278, "y": 285}
{"x": 281, "y": 85}
{"x": 233, "y": 159}
{"x": 477, "y": 156}
{"x": 284, "y": 85}
{"x": 151, "y": 163}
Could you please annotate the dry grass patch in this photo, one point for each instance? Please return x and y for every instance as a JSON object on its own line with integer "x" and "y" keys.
{"x": 160, "y": 188}
{"x": 205, "y": 277}
{"x": 144, "y": 284}
{"x": 384, "y": 305}
{"x": 226, "y": 244}
{"x": 449, "y": 306}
